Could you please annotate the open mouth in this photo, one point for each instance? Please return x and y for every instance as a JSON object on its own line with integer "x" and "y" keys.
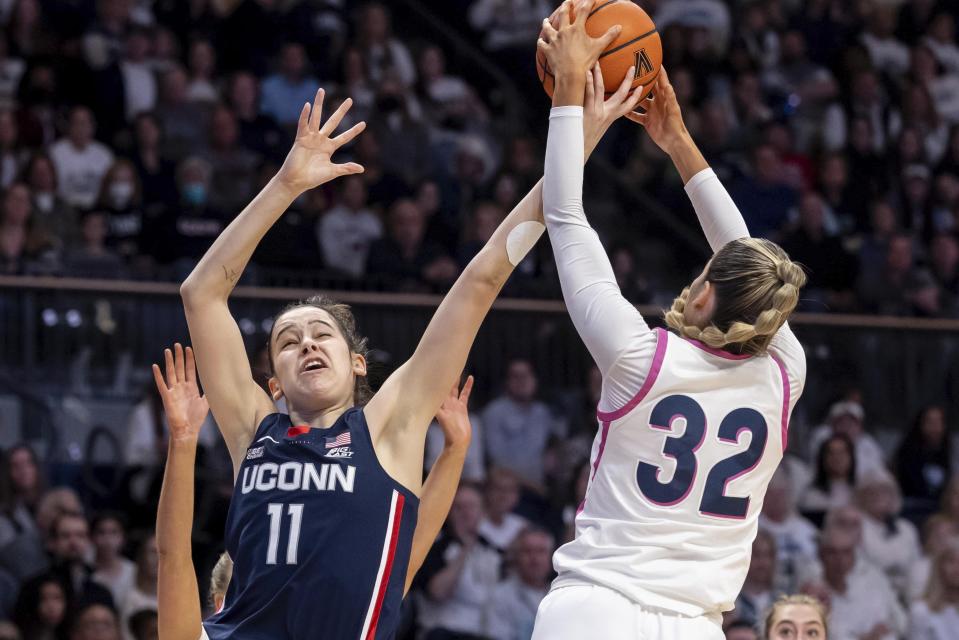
{"x": 312, "y": 365}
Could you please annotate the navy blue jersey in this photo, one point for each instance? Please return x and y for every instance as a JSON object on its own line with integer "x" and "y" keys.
{"x": 319, "y": 534}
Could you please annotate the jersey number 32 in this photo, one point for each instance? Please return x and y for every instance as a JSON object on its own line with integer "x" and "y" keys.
{"x": 683, "y": 450}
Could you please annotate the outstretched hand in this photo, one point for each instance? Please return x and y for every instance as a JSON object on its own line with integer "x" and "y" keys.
{"x": 663, "y": 119}
{"x": 185, "y": 408}
{"x": 599, "y": 114}
{"x": 309, "y": 162}
{"x": 453, "y": 416}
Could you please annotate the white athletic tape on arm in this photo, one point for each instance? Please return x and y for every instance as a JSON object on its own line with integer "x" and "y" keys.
{"x": 521, "y": 239}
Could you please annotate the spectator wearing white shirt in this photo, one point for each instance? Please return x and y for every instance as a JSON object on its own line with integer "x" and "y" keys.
{"x": 143, "y": 595}
{"x": 385, "y": 55}
{"x": 511, "y": 611}
{"x": 460, "y": 572}
{"x": 941, "y": 40}
{"x": 508, "y": 23}
{"x": 474, "y": 467}
{"x": 11, "y": 70}
{"x": 139, "y": 80}
{"x": 500, "y": 526}
{"x": 517, "y": 426}
{"x": 847, "y": 417}
{"x": 759, "y": 590}
{"x": 937, "y": 531}
{"x": 886, "y": 52}
{"x": 346, "y": 231}
{"x": 889, "y": 542}
{"x": 936, "y": 616}
{"x": 80, "y": 161}
{"x": 111, "y": 569}
{"x": 861, "y": 608}
{"x": 202, "y": 66}
{"x": 944, "y": 87}
{"x": 794, "y": 535}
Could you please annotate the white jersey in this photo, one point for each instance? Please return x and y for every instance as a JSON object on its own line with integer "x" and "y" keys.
{"x": 689, "y": 436}
{"x": 678, "y": 478}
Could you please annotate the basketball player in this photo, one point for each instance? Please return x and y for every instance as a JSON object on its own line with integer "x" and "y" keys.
{"x": 798, "y": 617}
{"x": 693, "y": 423}
{"x": 186, "y": 410}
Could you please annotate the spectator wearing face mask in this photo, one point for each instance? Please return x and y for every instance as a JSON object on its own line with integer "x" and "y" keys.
{"x": 120, "y": 198}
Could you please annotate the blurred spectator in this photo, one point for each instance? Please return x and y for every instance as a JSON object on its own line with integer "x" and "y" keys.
{"x": 901, "y": 288}
{"x": 283, "y": 94}
{"x": 836, "y": 470}
{"x": 795, "y": 537}
{"x": 846, "y": 417}
{"x": 54, "y": 503}
{"x": 759, "y": 590}
{"x": 9, "y": 631}
{"x": 937, "y": 531}
{"x": 629, "y": 278}
{"x": 357, "y": 84}
{"x": 397, "y": 120}
{"x": 449, "y": 101}
{"x": 403, "y": 260}
{"x": 52, "y": 217}
{"x": 143, "y": 595}
{"x": 460, "y": 572}
{"x": 883, "y": 226}
{"x": 832, "y": 270}
{"x": 11, "y": 71}
{"x": 95, "y": 621}
{"x": 144, "y": 625}
{"x": 155, "y": 172}
{"x": 183, "y": 122}
{"x": 885, "y": 51}
{"x": 234, "y": 167}
{"x": 113, "y": 570}
{"x": 944, "y": 263}
{"x": 385, "y": 55}
{"x": 858, "y": 608}
{"x": 70, "y": 549}
{"x": 190, "y": 226}
{"x": 139, "y": 80}
{"x": 80, "y": 161}
{"x": 474, "y": 467}
{"x": 936, "y": 615}
{"x": 121, "y": 197}
{"x": 202, "y": 66}
{"x": 91, "y": 258}
{"x": 346, "y": 231}
{"x": 500, "y": 525}
{"x": 517, "y": 426}
{"x": 574, "y": 498}
{"x": 763, "y": 197}
{"x": 28, "y": 31}
{"x": 11, "y": 156}
{"x": 258, "y": 131}
{"x": 21, "y": 483}
{"x": 511, "y": 611}
{"x": 924, "y": 458}
{"x": 508, "y": 24}
{"x": 889, "y": 542}
{"x": 41, "y": 609}
{"x": 485, "y": 218}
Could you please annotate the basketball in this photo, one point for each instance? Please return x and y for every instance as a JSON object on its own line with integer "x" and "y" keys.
{"x": 638, "y": 45}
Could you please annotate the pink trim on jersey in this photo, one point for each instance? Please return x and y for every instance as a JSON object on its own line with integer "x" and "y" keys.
{"x": 599, "y": 456}
{"x": 610, "y": 416}
{"x": 785, "y": 415}
{"x": 386, "y": 567}
{"x": 718, "y": 352}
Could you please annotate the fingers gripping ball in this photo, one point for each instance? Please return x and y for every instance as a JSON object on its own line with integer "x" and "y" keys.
{"x": 638, "y": 45}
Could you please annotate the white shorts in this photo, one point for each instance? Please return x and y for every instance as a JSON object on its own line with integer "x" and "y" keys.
{"x": 203, "y": 635}
{"x": 589, "y": 611}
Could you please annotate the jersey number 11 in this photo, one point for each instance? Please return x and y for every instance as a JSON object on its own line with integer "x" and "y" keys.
{"x": 295, "y": 511}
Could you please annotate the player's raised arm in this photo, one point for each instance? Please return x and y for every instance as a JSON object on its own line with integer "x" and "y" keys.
{"x": 178, "y": 596}
{"x": 663, "y": 120}
{"x": 440, "y": 486}
{"x": 237, "y": 401}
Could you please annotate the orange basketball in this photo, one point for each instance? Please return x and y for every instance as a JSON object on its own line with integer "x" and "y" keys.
{"x": 638, "y": 45}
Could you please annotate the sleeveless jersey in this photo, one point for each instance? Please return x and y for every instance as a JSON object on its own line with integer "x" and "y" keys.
{"x": 677, "y": 480}
{"x": 319, "y": 534}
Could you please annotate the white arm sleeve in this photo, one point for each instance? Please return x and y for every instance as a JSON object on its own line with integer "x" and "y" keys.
{"x": 722, "y": 223}
{"x": 616, "y": 335}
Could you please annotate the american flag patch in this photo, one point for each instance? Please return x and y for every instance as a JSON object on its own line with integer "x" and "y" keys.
{"x": 341, "y": 440}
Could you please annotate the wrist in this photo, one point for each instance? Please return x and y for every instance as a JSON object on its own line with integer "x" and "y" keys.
{"x": 679, "y": 142}
{"x": 569, "y": 88}
{"x": 456, "y": 449}
{"x": 183, "y": 441}
{"x": 284, "y": 187}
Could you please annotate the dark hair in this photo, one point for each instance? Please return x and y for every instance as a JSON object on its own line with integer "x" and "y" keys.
{"x": 26, "y": 611}
{"x": 821, "y": 480}
{"x": 343, "y": 316}
{"x": 913, "y": 446}
{"x": 102, "y": 516}
{"x": 8, "y": 493}
{"x": 742, "y": 624}
{"x": 757, "y": 288}
{"x": 139, "y": 620}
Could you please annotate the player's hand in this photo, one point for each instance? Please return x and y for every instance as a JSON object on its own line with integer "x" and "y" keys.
{"x": 185, "y": 408}
{"x": 309, "y": 162}
{"x": 567, "y": 47}
{"x": 663, "y": 119}
{"x": 453, "y": 417}
{"x": 599, "y": 114}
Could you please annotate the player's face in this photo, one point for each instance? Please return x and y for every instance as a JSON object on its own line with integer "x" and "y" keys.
{"x": 313, "y": 367}
{"x": 797, "y": 622}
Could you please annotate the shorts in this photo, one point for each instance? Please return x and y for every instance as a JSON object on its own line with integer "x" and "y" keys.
{"x": 203, "y": 635}
{"x": 591, "y": 611}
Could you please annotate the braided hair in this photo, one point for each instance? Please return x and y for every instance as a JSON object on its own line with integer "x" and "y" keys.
{"x": 757, "y": 288}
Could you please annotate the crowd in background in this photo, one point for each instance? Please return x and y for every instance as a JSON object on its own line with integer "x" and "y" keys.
{"x": 873, "y": 534}
{"x": 133, "y": 131}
